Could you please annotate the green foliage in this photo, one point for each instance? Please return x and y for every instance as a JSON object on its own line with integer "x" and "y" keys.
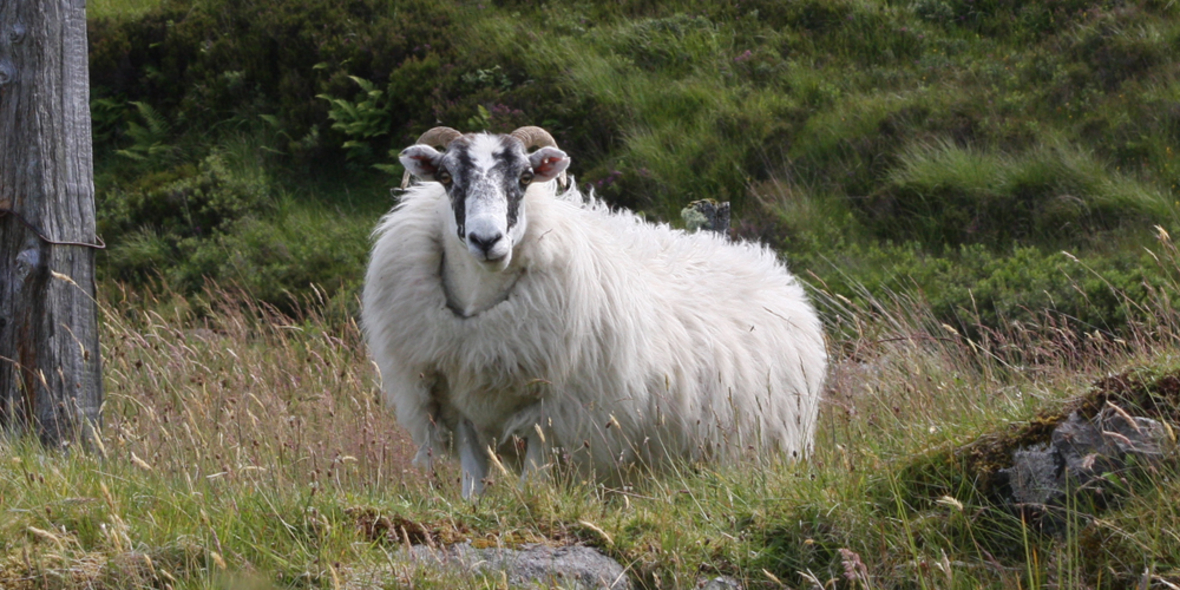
{"x": 223, "y": 221}
{"x": 942, "y": 193}
{"x": 106, "y": 9}
{"x": 150, "y": 140}
{"x": 159, "y": 224}
{"x": 279, "y": 259}
{"x": 973, "y": 286}
{"x": 364, "y": 119}
{"x": 188, "y": 200}
{"x": 968, "y": 131}
{"x": 107, "y": 116}
{"x": 214, "y": 63}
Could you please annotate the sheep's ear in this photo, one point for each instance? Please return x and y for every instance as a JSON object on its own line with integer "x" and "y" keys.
{"x": 421, "y": 161}
{"x": 547, "y": 163}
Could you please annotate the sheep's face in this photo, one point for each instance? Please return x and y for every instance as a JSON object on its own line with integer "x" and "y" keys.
{"x": 486, "y": 177}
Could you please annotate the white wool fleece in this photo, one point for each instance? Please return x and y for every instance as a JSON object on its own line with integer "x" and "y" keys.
{"x": 623, "y": 341}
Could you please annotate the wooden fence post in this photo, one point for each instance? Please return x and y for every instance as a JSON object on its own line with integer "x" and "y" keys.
{"x": 50, "y": 375}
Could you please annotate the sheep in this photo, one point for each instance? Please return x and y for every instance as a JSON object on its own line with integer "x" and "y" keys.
{"x": 501, "y": 313}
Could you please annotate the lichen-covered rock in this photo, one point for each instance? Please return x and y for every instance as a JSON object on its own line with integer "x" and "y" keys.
{"x": 1080, "y": 457}
{"x": 571, "y": 567}
{"x": 706, "y": 214}
{"x": 718, "y": 583}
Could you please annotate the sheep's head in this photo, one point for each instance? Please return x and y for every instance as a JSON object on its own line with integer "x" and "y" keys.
{"x": 486, "y": 177}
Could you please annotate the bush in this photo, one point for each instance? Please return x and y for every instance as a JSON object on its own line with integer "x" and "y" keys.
{"x": 207, "y": 63}
{"x": 278, "y": 260}
{"x": 942, "y": 124}
{"x": 944, "y": 194}
{"x": 973, "y": 286}
{"x": 157, "y": 224}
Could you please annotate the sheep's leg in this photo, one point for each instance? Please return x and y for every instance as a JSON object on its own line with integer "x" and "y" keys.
{"x": 473, "y": 460}
{"x": 535, "y": 458}
{"x": 413, "y": 395}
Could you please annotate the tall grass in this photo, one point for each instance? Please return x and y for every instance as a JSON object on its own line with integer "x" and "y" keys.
{"x": 244, "y": 445}
{"x": 949, "y": 193}
{"x": 223, "y": 423}
{"x": 119, "y": 8}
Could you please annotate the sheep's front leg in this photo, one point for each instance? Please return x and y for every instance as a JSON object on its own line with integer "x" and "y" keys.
{"x": 535, "y": 457}
{"x": 412, "y": 392}
{"x": 473, "y": 460}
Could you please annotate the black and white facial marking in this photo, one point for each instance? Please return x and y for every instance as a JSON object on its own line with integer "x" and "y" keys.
{"x": 486, "y": 177}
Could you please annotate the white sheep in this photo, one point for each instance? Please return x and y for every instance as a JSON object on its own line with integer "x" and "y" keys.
{"x": 500, "y": 311}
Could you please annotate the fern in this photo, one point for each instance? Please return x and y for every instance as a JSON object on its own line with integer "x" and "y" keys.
{"x": 149, "y": 140}
{"x": 360, "y": 120}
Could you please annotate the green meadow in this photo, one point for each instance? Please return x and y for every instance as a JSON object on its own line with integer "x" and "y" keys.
{"x": 980, "y": 194}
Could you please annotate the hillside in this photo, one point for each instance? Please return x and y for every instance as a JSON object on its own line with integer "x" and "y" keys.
{"x": 950, "y": 149}
{"x": 981, "y": 196}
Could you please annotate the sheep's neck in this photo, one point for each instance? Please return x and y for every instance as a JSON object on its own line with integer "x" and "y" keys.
{"x": 470, "y": 288}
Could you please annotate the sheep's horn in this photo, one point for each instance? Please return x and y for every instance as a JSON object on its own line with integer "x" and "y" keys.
{"x": 436, "y": 137}
{"x": 532, "y": 137}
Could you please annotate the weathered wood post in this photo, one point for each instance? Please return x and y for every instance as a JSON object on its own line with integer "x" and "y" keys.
{"x": 50, "y": 376}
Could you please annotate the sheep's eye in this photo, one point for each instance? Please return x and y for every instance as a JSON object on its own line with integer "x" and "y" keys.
{"x": 444, "y": 177}
{"x": 527, "y": 177}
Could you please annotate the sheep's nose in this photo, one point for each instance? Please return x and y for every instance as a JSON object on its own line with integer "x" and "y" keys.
{"x": 485, "y": 245}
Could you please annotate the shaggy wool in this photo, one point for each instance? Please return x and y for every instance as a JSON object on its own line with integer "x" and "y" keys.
{"x": 627, "y": 342}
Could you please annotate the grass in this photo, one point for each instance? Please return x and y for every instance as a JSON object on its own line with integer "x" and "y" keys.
{"x": 943, "y": 193}
{"x": 119, "y": 8}
{"x": 244, "y": 447}
{"x": 875, "y": 133}
{"x": 981, "y": 193}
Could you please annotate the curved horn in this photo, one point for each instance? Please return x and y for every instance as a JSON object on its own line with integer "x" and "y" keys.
{"x": 436, "y": 137}
{"x": 532, "y": 137}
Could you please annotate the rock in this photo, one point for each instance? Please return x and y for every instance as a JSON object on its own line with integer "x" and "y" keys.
{"x": 1080, "y": 456}
{"x": 706, "y": 214}
{"x": 719, "y": 583}
{"x": 572, "y": 567}
{"x": 1033, "y": 475}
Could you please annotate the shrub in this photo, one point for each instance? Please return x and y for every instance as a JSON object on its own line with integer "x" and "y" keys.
{"x": 278, "y": 260}
{"x": 1055, "y": 194}
{"x": 206, "y": 63}
{"x": 973, "y": 287}
{"x": 156, "y": 224}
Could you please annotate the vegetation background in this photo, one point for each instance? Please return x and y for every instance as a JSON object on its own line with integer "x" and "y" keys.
{"x": 980, "y": 192}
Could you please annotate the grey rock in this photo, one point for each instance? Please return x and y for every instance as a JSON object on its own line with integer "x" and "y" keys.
{"x": 572, "y": 567}
{"x": 719, "y": 583}
{"x": 706, "y": 214}
{"x": 1134, "y": 435}
{"x": 1034, "y": 473}
{"x": 1079, "y": 457}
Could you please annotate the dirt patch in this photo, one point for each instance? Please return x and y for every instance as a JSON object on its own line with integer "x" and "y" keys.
{"x": 393, "y": 529}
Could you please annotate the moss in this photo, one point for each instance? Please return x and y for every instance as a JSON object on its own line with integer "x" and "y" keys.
{"x": 972, "y": 473}
{"x": 1142, "y": 392}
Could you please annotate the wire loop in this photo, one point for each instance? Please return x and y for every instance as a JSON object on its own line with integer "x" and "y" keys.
{"x": 101, "y": 245}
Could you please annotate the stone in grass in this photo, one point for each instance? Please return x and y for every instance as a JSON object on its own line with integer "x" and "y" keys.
{"x": 1079, "y": 458}
{"x": 572, "y": 567}
{"x": 706, "y": 214}
{"x": 718, "y": 583}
